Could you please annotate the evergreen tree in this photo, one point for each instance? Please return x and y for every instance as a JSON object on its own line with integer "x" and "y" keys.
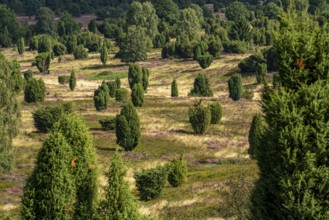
{"x": 174, "y": 89}
{"x": 50, "y": 191}
{"x": 118, "y": 83}
{"x": 135, "y": 75}
{"x": 293, "y": 157}
{"x": 235, "y": 87}
{"x": 9, "y": 114}
{"x": 199, "y": 117}
{"x": 216, "y": 112}
{"x": 80, "y": 53}
{"x": 128, "y": 127}
{"x": 104, "y": 54}
{"x": 72, "y": 81}
{"x": 9, "y": 27}
{"x": 101, "y": 97}
{"x": 84, "y": 163}
{"x": 137, "y": 95}
{"x": 21, "y": 46}
{"x": 261, "y": 71}
{"x": 177, "y": 172}
{"x": 34, "y": 91}
{"x": 205, "y": 60}
{"x": 119, "y": 203}
{"x": 255, "y": 134}
{"x": 145, "y": 80}
{"x": 42, "y": 61}
{"x": 46, "y": 22}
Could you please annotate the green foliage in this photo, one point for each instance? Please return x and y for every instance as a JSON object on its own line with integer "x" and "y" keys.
{"x": 128, "y": 127}
{"x": 80, "y": 53}
{"x": 107, "y": 75}
{"x": 9, "y": 27}
{"x": 271, "y": 58}
{"x": 166, "y": 9}
{"x": 34, "y": 91}
{"x": 42, "y": 61}
{"x": 261, "y": 71}
{"x": 134, "y": 45}
{"x": 256, "y": 132}
{"x": 201, "y": 86}
{"x": 16, "y": 77}
{"x": 83, "y": 163}
{"x": 34, "y": 43}
{"x": 235, "y": 47}
{"x": 68, "y": 25}
{"x": 50, "y": 190}
{"x": 135, "y": 75}
{"x": 174, "y": 89}
{"x": 28, "y": 75}
{"x": 235, "y": 87}
{"x": 137, "y": 95}
{"x": 45, "y": 43}
{"x": 216, "y": 111}
{"x": 44, "y": 118}
{"x": 108, "y": 123}
{"x": 205, "y": 60}
{"x": 200, "y": 118}
{"x": 104, "y": 54}
{"x": 150, "y": 182}
{"x": 101, "y": 97}
{"x": 46, "y": 22}
{"x": 237, "y": 11}
{"x": 9, "y": 114}
{"x": 91, "y": 41}
{"x": 71, "y": 43}
{"x": 63, "y": 80}
{"x": 189, "y": 23}
{"x": 122, "y": 95}
{"x": 72, "y": 81}
{"x": 21, "y": 46}
{"x": 118, "y": 82}
{"x": 159, "y": 41}
{"x": 59, "y": 49}
{"x": 119, "y": 203}
{"x": 251, "y": 63}
{"x": 177, "y": 174}
{"x": 168, "y": 51}
{"x": 241, "y": 30}
{"x": 112, "y": 88}
{"x": 145, "y": 80}
{"x": 215, "y": 46}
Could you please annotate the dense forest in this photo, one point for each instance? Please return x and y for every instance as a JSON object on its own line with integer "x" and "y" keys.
{"x": 164, "y": 109}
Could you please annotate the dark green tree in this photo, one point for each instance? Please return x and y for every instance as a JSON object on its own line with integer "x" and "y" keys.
{"x": 68, "y": 25}
{"x": 261, "y": 71}
{"x": 34, "y": 91}
{"x": 104, "y": 54}
{"x": 145, "y": 80}
{"x": 250, "y": 64}
{"x": 135, "y": 75}
{"x": 137, "y": 95}
{"x": 237, "y": 11}
{"x": 119, "y": 203}
{"x": 199, "y": 117}
{"x": 177, "y": 174}
{"x": 201, "y": 86}
{"x": 9, "y": 27}
{"x": 235, "y": 87}
{"x": 46, "y": 22}
{"x": 101, "y": 97}
{"x": 121, "y": 95}
{"x": 216, "y": 111}
{"x": 45, "y": 43}
{"x": 174, "y": 89}
{"x": 166, "y": 9}
{"x": 50, "y": 191}
{"x": 205, "y": 60}
{"x": 42, "y": 61}
{"x": 80, "y": 53}
{"x": 21, "y": 46}
{"x": 72, "y": 81}
{"x": 256, "y": 132}
{"x": 59, "y": 49}
{"x": 128, "y": 127}
{"x": 9, "y": 114}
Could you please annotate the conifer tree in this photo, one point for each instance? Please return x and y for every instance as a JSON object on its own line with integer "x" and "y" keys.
{"x": 201, "y": 86}
{"x": 128, "y": 127}
{"x": 9, "y": 114}
{"x": 137, "y": 95}
{"x": 235, "y": 87}
{"x": 216, "y": 112}
{"x": 118, "y": 83}
{"x": 104, "y": 54}
{"x": 34, "y": 91}
{"x": 255, "y": 134}
{"x": 72, "y": 81}
{"x": 135, "y": 75}
{"x": 50, "y": 191}
{"x": 293, "y": 158}
{"x": 21, "y": 46}
{"x": 119, "y": 203}
{"x": 177, "y": 172}
{"x": 146, "y": 75}
{"x": 200, "y": 118}
{"x": 84, "y": 162}
{"x": 101, "y": 97}
{"x": 174, "y": 89}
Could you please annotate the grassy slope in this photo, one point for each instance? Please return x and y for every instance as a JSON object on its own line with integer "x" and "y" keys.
{"x": 166, "y": 132}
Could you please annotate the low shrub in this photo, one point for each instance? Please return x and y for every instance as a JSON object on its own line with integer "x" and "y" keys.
{"x": 63, "y": 79}
{"x": 216, "y": 112}
{"x": 108, "y": 123}
{"x": 122, "y": 95}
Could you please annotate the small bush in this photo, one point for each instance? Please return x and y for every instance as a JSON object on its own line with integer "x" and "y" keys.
{"x": 177, "y": 174}
{"x": 28, "y": 75}
{"x": 112, "y": 88}
{"x": 145, "y": 80}
{"x": 255, "y": 134}
{"x": 205, "y": 61}
{"x": 72, "y": 81}
{"x": 80, "y": 53}
{"x": 21, "y": 46}
{"x": 235, "y": 87}
{"x": 200, "y": 118}
{"x": 121, "y": 95}
{"x": 108, "y": 123}
{"x": 63, "y": 79}
{"x": 201, "y": 86}
{"x": 44, "y": 44}
{"x": 45, "y": 117}
{"x": 168, "y": 51}
{"x": 261, "y": 71}
{"x": 235, "y": 47}
{"x": 174, "y": 89}
{"x": 250, "y": 64}
{"x": 59, "y": 49}
{"x": 137, "y": 95}
{"x": 101, "y": 97}
{"x": 150, "y": 182}
{"x": 34, "y": 91}
{"x": 216, "y": 112}
{"x": 42, "y": 61}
